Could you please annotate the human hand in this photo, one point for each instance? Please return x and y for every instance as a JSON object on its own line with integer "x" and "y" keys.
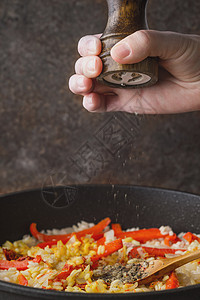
{"x": 178, "y": 88}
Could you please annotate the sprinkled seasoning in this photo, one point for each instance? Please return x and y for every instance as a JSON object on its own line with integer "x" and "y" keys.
{"x": 128, "y": 273}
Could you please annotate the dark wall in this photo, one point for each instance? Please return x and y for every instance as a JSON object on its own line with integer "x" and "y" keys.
{"x": 46, "y": 137}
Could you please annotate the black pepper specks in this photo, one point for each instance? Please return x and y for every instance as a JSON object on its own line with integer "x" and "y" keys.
{"x": 128, "y": 273}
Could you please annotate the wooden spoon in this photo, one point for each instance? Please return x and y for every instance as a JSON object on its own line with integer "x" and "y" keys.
{"x": 160, "y": 267}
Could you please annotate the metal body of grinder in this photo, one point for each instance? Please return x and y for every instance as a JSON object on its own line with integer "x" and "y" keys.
{"x": 124, "y": 18}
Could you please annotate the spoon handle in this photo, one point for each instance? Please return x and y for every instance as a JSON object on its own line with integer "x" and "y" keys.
{"x": 183, "y": 259}
{"x": 161, "y": 267}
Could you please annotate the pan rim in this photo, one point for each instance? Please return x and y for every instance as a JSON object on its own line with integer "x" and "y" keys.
{"x": 14, "y": 288}
{"x": 152, "y": 188}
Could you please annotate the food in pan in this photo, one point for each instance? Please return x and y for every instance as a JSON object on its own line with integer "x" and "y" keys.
{"x": 99, "y": 258}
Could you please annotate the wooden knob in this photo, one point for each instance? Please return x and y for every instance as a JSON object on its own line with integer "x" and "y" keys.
{"x": 124, "y": 18}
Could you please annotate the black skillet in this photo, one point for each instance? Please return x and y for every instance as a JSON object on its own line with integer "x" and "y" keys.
{"x": 129, "y": 205}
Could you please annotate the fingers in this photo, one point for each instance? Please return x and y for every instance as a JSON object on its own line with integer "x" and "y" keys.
{"x": 144, "y": 43}
{"x": 89, "y": 45}
{"x": 80, "y": 84}
{"x": 95, "y": 102}
{"x": 89, "y": 66}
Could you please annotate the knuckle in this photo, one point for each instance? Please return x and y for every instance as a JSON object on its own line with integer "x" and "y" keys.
{"x": 144, "y": 38}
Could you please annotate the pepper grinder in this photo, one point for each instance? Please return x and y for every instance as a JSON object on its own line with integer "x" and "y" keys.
{"x": 124, "y": 18}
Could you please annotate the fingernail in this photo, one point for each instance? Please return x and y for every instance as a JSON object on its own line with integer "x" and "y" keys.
{"x": 91, "y": 65}
{"x": 89, "y": 100}
{"x": 122, "y": 50}
{"x": 81, "y": 82}
{"x": 91, "y": 45}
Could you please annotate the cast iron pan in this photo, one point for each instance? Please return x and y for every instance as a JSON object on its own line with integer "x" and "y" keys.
{"x": 129, "y": 205}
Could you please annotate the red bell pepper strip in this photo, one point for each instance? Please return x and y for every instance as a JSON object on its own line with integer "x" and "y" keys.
{"x": 66, "y": 271}
{"x": 190, "y": 237}
{"x": 150, "y": 251}
{"x": 142, "y": 235}
{"x": 172, "y": 282}
{"x": 171, "y": 239}
{"x": 96, "y": 237}
{"x": 101, "y": 241}
{"x": 63, "y": 275}
{"x": 98, "y": 228}
{"x": 47, "y": 238}
{"x": 51, "y": 243}
{"x": 45, "y": 244}
{"x": 117, "y": 228}
{"x": 109, "y": 249}
{"x": 22, "y": 280}
{"x": 19, "y": 265}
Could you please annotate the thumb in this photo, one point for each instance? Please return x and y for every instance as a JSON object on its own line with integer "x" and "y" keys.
{"x": 141, "y": 44}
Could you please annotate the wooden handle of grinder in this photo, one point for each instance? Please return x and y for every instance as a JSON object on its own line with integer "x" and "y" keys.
{"x": 124, "y": 18}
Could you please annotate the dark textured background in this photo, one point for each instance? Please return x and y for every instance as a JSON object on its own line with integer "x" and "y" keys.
{"x": 45, "y": 134}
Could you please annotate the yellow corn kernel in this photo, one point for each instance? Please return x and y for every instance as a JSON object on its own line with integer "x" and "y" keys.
{"x": 128, "y": 240}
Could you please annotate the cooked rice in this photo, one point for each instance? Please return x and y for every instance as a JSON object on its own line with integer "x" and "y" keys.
{"x": 43, "y": 274}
